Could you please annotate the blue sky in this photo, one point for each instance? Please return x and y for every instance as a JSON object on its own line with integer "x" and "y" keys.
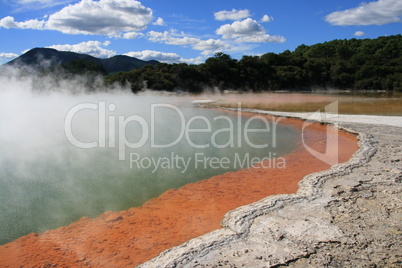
{"x": 188, "y": 31}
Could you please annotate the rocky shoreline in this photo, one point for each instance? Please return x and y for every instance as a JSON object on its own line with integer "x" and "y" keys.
{"x": 346, "y": 216}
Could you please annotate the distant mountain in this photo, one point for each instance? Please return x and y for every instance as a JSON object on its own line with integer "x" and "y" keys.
{"x": 48, "y": 57}
{"x": 124, "y": 63}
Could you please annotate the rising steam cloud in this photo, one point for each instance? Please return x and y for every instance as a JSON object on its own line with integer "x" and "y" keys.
{"x": 46, "y": 182}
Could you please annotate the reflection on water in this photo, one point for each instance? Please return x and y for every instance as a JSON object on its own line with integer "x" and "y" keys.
{"x": 350, "y": 102}
{"x": 46, "y": 182}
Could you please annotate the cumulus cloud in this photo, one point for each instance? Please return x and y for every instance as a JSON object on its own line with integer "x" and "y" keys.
{"x": 93, "y": 48}
{"x": 132, "y": 35}
{"x": 232, "y": 15}
{"x": 266, "y": 18}
{"x": 240, "y": 28}
{"x": 103, "y": 17}
{"x": 373, "y": 13}
{"x": 209, "y": 46}
{"x": 8, "y": 56}
{"x": 159, "y": 22}
{"x": 247, "y": 31}
{"x": 171, "y": 38}
{"x": 9, "y": 22}
{"x": 162, "y": 57}
{"x": 359, "y": 33}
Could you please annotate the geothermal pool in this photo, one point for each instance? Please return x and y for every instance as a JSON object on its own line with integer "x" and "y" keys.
{"x": 66, "y": 156}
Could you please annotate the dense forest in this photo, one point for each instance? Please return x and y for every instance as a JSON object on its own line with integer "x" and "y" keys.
{"x": 356, "y": 64}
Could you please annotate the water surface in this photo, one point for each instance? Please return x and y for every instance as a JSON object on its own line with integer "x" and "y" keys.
{"x": 47, "y": 182}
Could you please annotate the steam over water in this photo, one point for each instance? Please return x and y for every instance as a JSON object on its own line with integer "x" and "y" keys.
{"x": 47, "y": 182}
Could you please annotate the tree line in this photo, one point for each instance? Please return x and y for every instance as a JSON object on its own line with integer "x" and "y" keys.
{"x": 356, "y": 64}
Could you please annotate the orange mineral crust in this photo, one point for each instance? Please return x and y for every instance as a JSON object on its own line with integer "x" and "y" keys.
{"x": 131, "y": 237}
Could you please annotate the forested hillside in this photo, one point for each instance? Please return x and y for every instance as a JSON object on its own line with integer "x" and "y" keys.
{"x": 49, "y": 60}
{"x": 357, "y": 64}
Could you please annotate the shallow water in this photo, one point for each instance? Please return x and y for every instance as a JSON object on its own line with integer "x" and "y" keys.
{"x": 348, "y": 102}
{"x": 47, "y": 182}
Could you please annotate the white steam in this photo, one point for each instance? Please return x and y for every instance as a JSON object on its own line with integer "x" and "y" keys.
{"x": 46, "y": 182}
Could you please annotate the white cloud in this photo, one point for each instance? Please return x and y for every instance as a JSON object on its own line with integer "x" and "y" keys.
{"x": 154, "y": 55}
{"x": 162, "y": 57}
{"x": 261, "y": 38}
{"x": 196, "y": 60}
{"x": 171, "y": 38}
{"x": 9, "y": 22}
{"x": 359, "y": 33}
{"x": 209, "y": 46}
{"x": 245, "y": 27}
{"x": 103, "y": 17}
{"x": 93, "y": 48}
{"x": 247, "y": 31}
{"x": 159, "y": 22}
{"x": 132, "y": 35}
{"x": 8, "y": 56}
{"x": 266, "y": 18}
{"x": 232, "y": 15}
{"x": 373, "y": 13}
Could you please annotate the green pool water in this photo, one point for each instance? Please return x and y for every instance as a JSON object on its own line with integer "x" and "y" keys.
{"x": 47, "y": 182}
